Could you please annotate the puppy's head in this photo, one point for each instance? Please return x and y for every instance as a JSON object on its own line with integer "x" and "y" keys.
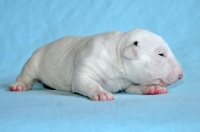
{"x": 148, "y": 59}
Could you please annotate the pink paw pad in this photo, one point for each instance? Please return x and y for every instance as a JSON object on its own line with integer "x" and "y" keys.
{"x": 17, "y": 87}
{"x": 103, "y": 97}
{"x": 154, "y": 90}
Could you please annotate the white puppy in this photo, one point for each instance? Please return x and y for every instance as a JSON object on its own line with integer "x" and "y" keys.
{"x": 138, "y": 61}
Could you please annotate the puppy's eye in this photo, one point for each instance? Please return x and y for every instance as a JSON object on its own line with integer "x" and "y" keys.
{"x": 135, "y": 43}
{"x": 161, "y": 54}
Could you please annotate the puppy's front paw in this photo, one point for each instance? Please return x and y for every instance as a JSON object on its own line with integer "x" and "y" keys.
{"x": 102, "y": 96}
{"x": 154, "y": 90}
{"x": 17, "y": 87}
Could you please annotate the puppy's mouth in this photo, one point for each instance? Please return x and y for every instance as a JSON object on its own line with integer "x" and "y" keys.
{"x": 162, "y": 83}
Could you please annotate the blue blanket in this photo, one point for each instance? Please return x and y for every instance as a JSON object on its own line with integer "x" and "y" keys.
{"x": 26, "y": 25}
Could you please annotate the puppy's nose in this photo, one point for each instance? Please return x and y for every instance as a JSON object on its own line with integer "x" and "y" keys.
{"x": 180, "y": 76}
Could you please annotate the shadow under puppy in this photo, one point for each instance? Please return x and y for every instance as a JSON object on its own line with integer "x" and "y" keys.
{"x": 137, "y": 61}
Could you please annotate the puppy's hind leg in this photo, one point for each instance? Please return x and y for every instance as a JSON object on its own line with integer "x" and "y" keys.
{"x": 26, "y": 78}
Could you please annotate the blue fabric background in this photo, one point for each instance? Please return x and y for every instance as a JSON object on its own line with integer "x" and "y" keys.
{"x": 26, "y": 25}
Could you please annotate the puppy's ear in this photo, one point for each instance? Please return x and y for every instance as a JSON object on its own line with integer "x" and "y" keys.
{"x": 131, "y": 51}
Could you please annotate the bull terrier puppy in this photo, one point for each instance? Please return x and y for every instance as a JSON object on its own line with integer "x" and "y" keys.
{"x": 137, "y": 61}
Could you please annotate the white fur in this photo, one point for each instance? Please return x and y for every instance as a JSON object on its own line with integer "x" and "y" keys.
{"x": 96, "y": 65}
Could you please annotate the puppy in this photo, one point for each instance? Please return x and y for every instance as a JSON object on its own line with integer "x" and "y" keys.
{"x": 137, "y": 61}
